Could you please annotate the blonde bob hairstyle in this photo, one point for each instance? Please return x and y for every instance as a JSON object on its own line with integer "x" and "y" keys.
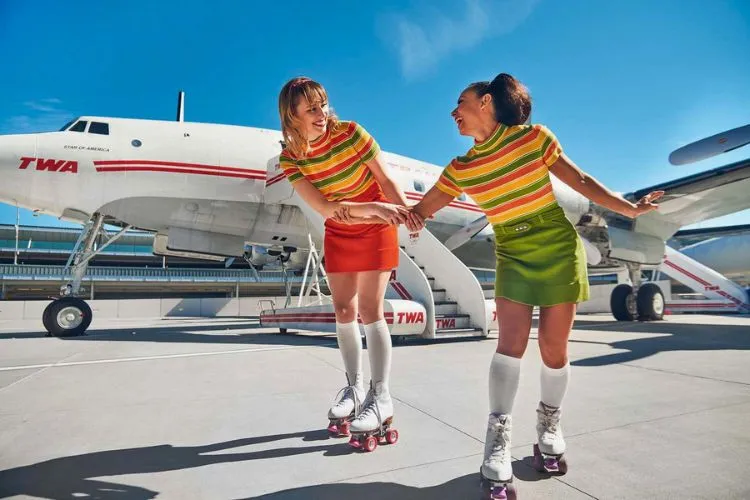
{"x": 289, "y": 97}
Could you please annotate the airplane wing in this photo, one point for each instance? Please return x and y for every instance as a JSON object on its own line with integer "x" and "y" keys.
{"x": 687, "y": 237}
{"x": 702, "y": 196}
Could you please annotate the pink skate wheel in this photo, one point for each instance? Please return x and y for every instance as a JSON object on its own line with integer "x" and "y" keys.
{"x": 354, "y": 442}
{"x": 344, "y": 429}
{"x": 333, "y": 428}
{"x": 391, "y": 437}
{"x": 370, "y": 443}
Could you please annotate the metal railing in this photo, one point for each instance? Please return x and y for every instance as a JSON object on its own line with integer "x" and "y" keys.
{"x": 12, "y": 272}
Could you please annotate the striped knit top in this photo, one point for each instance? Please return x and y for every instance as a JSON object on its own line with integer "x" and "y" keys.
{"x": 507, "y": 175}
{"x": 335, "y": 163}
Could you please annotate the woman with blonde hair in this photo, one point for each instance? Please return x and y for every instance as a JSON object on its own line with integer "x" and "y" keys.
{"x": 336, "y": 168}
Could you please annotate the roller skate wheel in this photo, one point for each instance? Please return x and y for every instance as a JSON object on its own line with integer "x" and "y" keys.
{"x": 355, "y": 443}
{"x": 344, "y": 429}
{"x": 333, "y": 428}
{"x": 370, "y": 444}
{"x": 391, "y": 437}
{"x": 563, "y": 465}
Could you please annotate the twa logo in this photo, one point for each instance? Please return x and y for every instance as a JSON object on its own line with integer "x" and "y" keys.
{"x": 50, "y": 165}
{"x": 445, "y": 323}
{"x": 393, "y": 275}
{"x": 411, "y": 317}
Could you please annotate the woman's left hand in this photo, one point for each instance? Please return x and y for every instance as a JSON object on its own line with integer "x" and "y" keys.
{"x": 414, "y": 221}
{"x": 646, "y": 204}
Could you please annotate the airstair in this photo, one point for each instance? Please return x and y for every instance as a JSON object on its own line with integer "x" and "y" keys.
{"x": 430, "y": 294}
{"x": 721, "y": 294}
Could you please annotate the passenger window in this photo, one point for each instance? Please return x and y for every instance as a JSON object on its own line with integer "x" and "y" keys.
{"x": 419, "y": 186}
{"x": 79, "y": 127}
{"x": 99, "y": 128}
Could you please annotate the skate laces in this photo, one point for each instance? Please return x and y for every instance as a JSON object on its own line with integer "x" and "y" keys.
{"x": 369, "y": 406}
{"x": 500, "y": 440}
{"x": 348, "y": 393}
{"x": 550, "y": 419}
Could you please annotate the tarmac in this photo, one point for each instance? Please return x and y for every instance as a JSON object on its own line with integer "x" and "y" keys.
{"x": 224, "y": 409}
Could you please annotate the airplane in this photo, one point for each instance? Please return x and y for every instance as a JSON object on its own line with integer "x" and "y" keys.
{"x": 200, "y": 188}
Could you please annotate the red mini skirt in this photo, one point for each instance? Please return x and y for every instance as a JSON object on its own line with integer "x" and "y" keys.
{"x": 361, "y": 247}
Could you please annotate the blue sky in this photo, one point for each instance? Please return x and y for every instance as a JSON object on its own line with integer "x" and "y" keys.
{"x": 622, "y": 84}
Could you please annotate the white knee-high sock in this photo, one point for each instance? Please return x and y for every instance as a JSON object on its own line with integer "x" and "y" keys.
{"x": 350, "y": 345}
{"x": 554, "y": 384}
{"x": 505, "y": 373}
{"x": 379, "y": 351}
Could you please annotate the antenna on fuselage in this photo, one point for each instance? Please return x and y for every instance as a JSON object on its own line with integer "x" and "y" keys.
{"x": 181, "y": 106}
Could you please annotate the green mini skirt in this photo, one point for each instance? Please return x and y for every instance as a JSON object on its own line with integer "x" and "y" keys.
{"x": 541, "y": 261}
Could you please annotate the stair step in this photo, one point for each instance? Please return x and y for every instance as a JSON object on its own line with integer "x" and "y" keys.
{"x": 458, "y": 332}
{"x": 439, "y": 295}
{"x": 444, "y": 321}
{"x": 446, "y": 307}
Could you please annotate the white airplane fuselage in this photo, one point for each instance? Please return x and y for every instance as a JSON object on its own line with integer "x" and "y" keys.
{"x": 188, "y": 180}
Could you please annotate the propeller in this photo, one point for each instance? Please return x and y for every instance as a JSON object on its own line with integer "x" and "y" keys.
{"x": 593, "y": 255}
{"x": 466, "y": 233}
{"x": 711, "y": 146}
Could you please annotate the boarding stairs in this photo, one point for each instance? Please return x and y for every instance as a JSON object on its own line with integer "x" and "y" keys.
{"x": 430, "y": 294}
{"x": 721, "y": 294}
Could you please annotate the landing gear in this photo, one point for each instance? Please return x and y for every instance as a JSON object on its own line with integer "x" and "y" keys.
{"x": 69, "y": 315}
{"x": 642, "y": 302}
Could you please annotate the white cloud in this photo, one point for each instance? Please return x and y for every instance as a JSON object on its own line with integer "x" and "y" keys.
{"x": 42, "y": 115}
{"x": 422, "y": 39}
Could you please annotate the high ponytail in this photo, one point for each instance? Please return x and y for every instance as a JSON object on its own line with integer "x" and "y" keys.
{"x": 511, "y": 99}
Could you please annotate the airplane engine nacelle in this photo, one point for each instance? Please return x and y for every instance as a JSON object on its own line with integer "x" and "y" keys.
{"x": 629, "y": 246}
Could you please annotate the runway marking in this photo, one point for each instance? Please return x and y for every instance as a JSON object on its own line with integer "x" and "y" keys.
{"x": 144, "y": 358}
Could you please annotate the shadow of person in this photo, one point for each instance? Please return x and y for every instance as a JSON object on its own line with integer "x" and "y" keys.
{"x": 465, "y": 487}
{"x": 667, "y": 337}
{"x": 461, "y": 488}
{"x": 71, "y": 477}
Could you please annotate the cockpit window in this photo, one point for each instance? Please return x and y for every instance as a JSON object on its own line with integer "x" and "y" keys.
{"x": 65, "y": 127}
{"x": 419, "y": 186}
{"x": 99, "y": 128}
{"x": 80, "y": 126}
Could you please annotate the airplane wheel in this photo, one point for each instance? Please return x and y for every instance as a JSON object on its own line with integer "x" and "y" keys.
{"x": 619, "y": 303}
{"x": 46, "y": 316}
{"x": 650, "y": 302}
{"x": 67, "y": 317}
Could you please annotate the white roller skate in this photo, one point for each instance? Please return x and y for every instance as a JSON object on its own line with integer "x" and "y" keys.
{"x": 372, "y": 426}
{"x": 550, "y": 447}
{"x": 496, "y": 472}
{"x": 346, "y": 405}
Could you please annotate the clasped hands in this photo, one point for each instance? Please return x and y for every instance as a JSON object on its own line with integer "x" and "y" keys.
{"x": 382, "y": 213}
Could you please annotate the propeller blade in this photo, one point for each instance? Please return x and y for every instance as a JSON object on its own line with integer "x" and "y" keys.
{"x": 466, "y": 233}
{"x": 711, "y": 146}
{"x": 593, "y": 255}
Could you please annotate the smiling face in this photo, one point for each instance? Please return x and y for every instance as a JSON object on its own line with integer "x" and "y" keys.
{"x": 304, "y": 114}
{"x": 474, "y": 111}
{"x": 312, "y": 117}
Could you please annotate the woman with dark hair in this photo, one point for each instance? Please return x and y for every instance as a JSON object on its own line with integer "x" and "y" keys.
{"x": 540, "y": 259}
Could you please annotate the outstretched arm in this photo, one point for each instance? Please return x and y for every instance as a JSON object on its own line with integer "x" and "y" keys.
{"x": 434, "y": 200}
{"x": 568, "y": 172}
{"x": 390, "y": 214}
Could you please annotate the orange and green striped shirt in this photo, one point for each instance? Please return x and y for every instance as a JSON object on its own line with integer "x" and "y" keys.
{"x": 335, "y": 163}
{"x": 507, "y": 175}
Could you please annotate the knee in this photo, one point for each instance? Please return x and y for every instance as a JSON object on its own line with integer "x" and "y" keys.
{"x": 554, "y": 354}
{"x": 370, "y": 313}
{"x": 345, "y": 311}
{"x": 512, "y": 342}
